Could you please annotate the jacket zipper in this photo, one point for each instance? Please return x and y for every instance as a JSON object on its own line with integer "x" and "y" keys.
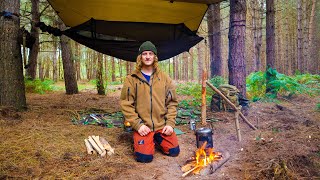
{"x": 136, "y": 98}
{"x": 128, "y": 93}
{"x": 167, "y": 97}
{"x": 151, "y": 103}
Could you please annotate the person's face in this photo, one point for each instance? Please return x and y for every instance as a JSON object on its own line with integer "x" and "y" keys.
{"x": 147, "y": 58}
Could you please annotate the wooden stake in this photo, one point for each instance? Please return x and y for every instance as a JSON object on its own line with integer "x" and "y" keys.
{"x": 231, "y": 104}
{"x": 203, "y": 103}
{"x": 236, "y": 114}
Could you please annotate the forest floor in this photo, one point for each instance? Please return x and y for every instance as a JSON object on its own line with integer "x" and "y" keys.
{"x": 42, "y": 142}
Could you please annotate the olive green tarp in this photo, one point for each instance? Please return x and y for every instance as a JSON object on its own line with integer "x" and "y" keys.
{"x": 118, "y": 27}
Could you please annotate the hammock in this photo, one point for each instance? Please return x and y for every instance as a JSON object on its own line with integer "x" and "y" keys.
{"x": 118, "y": 27}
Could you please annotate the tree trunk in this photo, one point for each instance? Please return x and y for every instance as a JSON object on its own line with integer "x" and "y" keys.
{"x": 33, "y": 55}
{"x": 127, "y": 67}
{"x": 54, "y": 61}
{"x": 68, "y": 65}
{"x": 174, "y": 72}
{"x": 270, "y": 41}
{"x": 237, "y": 32}
{"x": 214, "y": 38}
{"x": 200, "y": 49}
{"x": 191, "y": 64}
{"x": 93, "y": 64}
{"x": 100, "y": 84}
{"x": 105, "y": 57}
{"x": 312, "y": 48}
{"x": 120, "y": 69}
{"x": 300, "y": 37}
{"x": 47, "y": 68}
{"x": 185, "y": 59}
{"x": 12, "y": 88}
{"x": 113, "y": 70}
{"x": 287, "y": 60}
{"x": 259, "y": 36}
{"x": 306, "y": 52}
{"x": 77, "y": 60}
{"x": 40, "y": 69}
{"x": 270, "y": 36}
{"x": 88, "y": 64}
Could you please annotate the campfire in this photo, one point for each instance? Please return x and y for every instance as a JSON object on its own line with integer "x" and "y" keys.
{"x": 205, "y": 161}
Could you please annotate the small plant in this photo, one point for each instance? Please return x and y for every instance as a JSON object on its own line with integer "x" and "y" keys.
{"x": 38, "y": 86}
{"x": 256, "y": 85}
{"x": 217, "y": 81}
{"x": 189, "y": 89}
{"x": 280, "y": 84}
{"x": 276, "y": 130}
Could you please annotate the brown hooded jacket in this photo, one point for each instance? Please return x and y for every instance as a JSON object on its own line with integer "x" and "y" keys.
{"x": 153, "y": 104}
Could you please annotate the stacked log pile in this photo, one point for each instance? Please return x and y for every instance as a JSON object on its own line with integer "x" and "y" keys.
{"x": 99, "y": 145}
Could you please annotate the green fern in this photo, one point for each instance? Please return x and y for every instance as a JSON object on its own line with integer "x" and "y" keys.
{"x": 281, "y": 84}
{"x": 38, "y": 86}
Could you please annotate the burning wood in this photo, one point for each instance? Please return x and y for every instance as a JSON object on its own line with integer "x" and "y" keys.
{"x": 205, "y": 161}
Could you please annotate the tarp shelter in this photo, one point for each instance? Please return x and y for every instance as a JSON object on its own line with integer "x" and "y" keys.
{"x": 118, "y": 27}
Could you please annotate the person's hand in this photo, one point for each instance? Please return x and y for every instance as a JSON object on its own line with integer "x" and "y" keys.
{"x": 167, "y": 130}
{"x": 144, "y": 130}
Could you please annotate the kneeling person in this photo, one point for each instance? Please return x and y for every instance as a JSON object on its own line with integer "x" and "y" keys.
{"x": 149, "y": 103}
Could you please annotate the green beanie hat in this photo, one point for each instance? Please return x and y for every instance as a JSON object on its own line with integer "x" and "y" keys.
{"x": 148, "y": 46}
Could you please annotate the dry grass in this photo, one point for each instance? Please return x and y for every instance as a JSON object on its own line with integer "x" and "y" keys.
{"x": 43, "y": 143}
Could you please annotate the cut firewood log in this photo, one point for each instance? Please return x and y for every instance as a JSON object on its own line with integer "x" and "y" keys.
{"x": 96, "y": 139}
{"x": 94, "y": 145}
{"x": 211, "y": 168}
{"x": 88, "y": 146}
{"x": 107, "y": 146}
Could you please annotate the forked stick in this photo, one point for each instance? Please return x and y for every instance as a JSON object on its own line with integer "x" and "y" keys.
{"x": 231, "y": 104}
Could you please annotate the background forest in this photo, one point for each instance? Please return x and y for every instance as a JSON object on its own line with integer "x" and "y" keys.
{"x": 296, "y": 44}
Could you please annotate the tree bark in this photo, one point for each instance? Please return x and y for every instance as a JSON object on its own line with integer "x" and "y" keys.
{"x": 100, "y": 84}
{"x": 68, "y": 65}
{"x": 77, "y": 60}
{"x": 237, "y": 32}
{"x": 270, "y": 41}
{"x": 12, "y": 88}
{"x": 306, "y": 52}
{"x": 191, "y": 65}
{"x": 174, "y": 67}
{"x": 33, "y": 55}
{"x": 287, "y": 61}
{"x": 200, "y": 49}
{"x": 54, "y": 61}
{"x": 270, "y": 36}
{"x": 120, "y": 69}
{"x": 47, "y": 68}
{"x": 113, "y": 70}
{"x": 214, "y": 37}
{"x": 185, "y": 59}
{"x": 300, "y": 37}
{"x": 311, "y": 42}
{"x": 40, "y": 69}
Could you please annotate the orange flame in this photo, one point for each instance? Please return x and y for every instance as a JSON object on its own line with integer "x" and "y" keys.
{"x": 204, "y": 158}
